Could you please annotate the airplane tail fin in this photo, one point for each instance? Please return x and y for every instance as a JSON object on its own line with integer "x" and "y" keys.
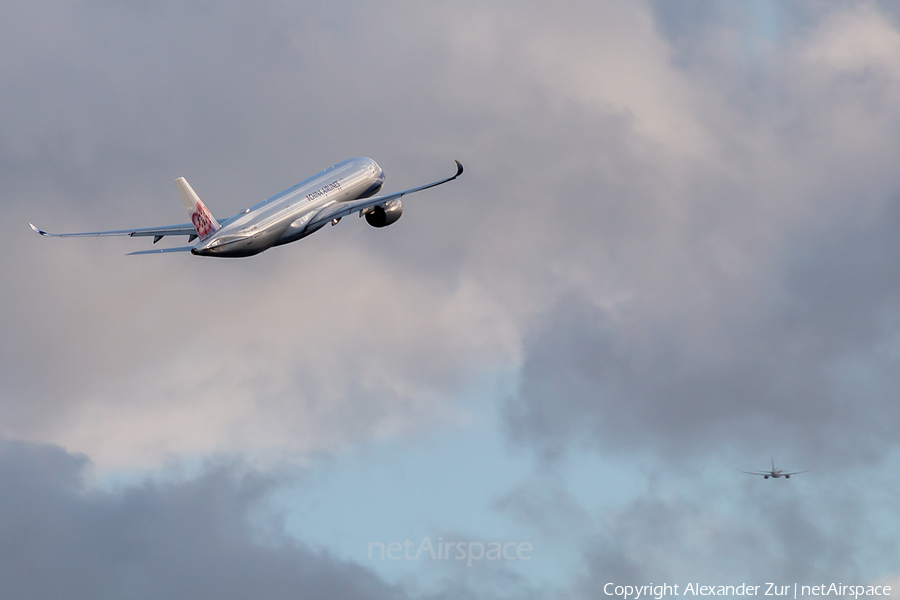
{"x": 203, "y": 221}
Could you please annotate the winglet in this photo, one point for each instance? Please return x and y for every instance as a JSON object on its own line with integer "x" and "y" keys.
{"x": 39, "y": 231}
{"x": 203, "y": 221}
{"x": 459, "y": 169}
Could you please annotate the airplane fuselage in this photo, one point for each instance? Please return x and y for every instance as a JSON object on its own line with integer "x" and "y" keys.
{"x": 291, "y": 215}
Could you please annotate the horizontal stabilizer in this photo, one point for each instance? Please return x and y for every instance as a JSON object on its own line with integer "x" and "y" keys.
{"x": 163, "y": 250}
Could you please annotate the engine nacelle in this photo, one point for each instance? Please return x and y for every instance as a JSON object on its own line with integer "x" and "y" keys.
{"x": 382, "y": 216}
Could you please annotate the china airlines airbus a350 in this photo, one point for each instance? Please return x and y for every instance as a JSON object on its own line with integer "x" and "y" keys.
{"x": 347, "y": 187}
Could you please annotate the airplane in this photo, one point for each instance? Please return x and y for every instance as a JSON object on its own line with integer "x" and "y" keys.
{"x": 774, "y": 473}
{"x": 347, "y": 187}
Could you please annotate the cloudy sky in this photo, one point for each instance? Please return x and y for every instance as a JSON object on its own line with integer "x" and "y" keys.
{"x": 672, "y": 256}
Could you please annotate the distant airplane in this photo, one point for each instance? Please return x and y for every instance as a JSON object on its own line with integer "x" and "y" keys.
{"x": 774, "y": 473}
{"x": 288, "y": 216}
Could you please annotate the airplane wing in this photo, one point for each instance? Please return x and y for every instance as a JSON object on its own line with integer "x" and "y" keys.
{"x": 756, "y": 473}
{"x": 185, "y": 229}
{"x": 796, "y": 472}
{"x": 342, "y": 209}
{"x": 157, "y": 233}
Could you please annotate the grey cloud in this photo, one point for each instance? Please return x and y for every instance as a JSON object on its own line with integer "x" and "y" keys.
{"x": 204, "y": 536}
{"x": 811, "y": 367}
{"x": 188, "y": 539}
{"x": 545, "y": 506}
{"x": 759, "y": 309}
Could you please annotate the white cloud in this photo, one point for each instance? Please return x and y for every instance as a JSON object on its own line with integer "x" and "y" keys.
{"x": 856, "y": 40}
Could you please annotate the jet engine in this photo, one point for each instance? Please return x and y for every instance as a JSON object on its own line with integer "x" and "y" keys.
{"x": 787, "y": 476}
{"x": 382, "y": 216}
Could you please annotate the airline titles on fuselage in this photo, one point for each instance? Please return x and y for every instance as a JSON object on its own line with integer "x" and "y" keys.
{"x": 334, "y": 185}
